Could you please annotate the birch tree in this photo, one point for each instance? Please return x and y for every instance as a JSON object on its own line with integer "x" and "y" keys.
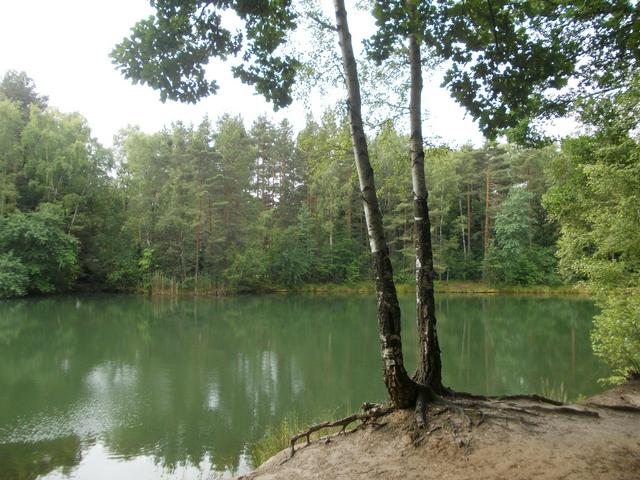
{"x": 401, "y": 388}
{"x": 509, "y": 60}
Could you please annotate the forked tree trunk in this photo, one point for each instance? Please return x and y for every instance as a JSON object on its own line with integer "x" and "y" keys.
{"x": 401, "y": 388}
{"x": 429, "y": 370}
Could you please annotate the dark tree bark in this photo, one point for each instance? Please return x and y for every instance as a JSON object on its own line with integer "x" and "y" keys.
{"x": 429, "y": 370}
{"x": 401, "y": 388}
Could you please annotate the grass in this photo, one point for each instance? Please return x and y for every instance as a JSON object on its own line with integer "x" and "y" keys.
{"x": 274, "y": 440}
{"x": 161, "y": 285}
{"x": 478, "y": 287}
{"x": 166, "y": 286}
{"x": 556, "y": 392}
{"x": 277, "y": 439}
{"x": 367, "y": 287}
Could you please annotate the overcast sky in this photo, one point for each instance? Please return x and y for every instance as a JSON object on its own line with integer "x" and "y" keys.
{"x": 64, "y": 46}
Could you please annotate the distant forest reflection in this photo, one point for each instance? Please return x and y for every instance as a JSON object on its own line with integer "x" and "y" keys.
{"x": 192, "y": 382}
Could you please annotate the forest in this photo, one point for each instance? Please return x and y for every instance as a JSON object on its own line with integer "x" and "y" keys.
{"x": 223, "y": 206}
{"x": 134, "y": 276}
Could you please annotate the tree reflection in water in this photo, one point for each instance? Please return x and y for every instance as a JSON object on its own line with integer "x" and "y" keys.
{"x": 193, "y": 382}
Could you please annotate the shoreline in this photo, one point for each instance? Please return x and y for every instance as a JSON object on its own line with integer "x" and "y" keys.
{"x": 509, "y": 438}
{"x": 362, "y": 288}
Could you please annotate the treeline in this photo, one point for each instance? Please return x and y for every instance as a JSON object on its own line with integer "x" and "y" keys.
{"x": 222, "y": 206}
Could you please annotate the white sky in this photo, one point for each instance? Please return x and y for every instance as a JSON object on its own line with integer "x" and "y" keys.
{"x": 64, "y": 46}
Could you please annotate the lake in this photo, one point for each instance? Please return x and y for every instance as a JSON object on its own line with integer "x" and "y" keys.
{"x": 128, "y": 387}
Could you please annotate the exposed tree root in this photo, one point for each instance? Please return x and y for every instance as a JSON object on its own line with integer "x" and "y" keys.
{"x": 426, "y": 396}
{"x": 529, "y": 409}
{"x": 619, "y": 408}
{"x": 366, "y": 417}
{"x": 461, "y": 404}
{"x": 507, "y": 418}
{"x": 422, "y": 400}
{"x": 533, "y": 397}
{"x": 565, "y": 410}
{"x": 465, "y": 405}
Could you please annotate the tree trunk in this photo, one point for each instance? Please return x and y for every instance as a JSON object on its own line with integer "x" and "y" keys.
{"x": 349, "y": 213}
{"x": 197, "y": 246}
{"x": 282, "y": 184}
{"x": 429, "y": 370}
{"x": 487, "y": 205}
{"x": 5, "y": 183}
{"x": 209, "y": 215}
{"x": 401, "y": 388}
{"x": 441, "y": 222}
{"x": 468, "y": 219}
{"x": 273, "y": 185}
{"x": 486, "y": 240}
{"x": 348, "y": 218}
{"x": 464, "y": 243}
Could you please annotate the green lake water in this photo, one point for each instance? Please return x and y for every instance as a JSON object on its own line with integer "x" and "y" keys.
{"x": 103, "y": 387}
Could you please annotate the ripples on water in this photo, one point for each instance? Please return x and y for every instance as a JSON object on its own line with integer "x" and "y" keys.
{"x": 130, "y": 388}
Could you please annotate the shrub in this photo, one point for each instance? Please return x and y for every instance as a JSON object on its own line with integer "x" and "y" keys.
{"x": 616, "y": 334}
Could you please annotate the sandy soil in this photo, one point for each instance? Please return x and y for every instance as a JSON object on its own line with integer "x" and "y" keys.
{"x": 510, "y": 439}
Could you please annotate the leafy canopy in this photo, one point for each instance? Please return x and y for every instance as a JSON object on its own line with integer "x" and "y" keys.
{"x": 170, "y": 50}
{"x": 513, "y": 62}
{"x": 594, "y": 195}
{"x": 38, "y": 255}
{"x": 18, "y": 88}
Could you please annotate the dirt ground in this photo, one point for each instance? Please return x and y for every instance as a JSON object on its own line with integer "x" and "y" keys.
{"x": 509, "y": 439}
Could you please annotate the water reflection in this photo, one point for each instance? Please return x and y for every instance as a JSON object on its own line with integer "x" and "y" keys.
{"x": 171, "y": 387}
{"x": 30, "y": 460}
{"x": 500, "y": 345}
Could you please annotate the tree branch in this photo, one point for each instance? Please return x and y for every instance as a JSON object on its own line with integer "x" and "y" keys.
{"x": 321, "y": 22}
